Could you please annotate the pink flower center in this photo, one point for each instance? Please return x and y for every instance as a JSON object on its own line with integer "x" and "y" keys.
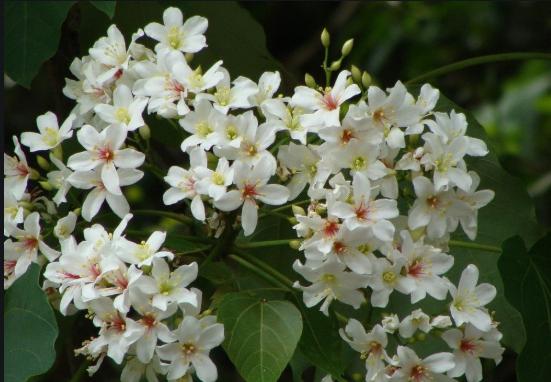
{"x": 467, "y": 346}
{"x": 22, "y": 169}
{"x": 418, "y": 373}
{"x": 249, "y": 191}
{"x": 339, "y": 247}
{"x": 106, "y": 154}
{"x": 416, "y": 269}
{"x": 330, "y": 228}
{"x": 149, "y": 320}
{"x": 9, "y": 266}
{"x": 330, "y": 102}
{"x": 362, "y": 211}
{"x": 30, "y": 243}
{"x": 346, "y": 136}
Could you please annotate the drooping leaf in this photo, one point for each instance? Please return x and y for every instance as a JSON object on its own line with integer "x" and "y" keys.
{"x": 261, "y": 334}
{"x": 31, "y": 36}
{"x": 30, "y": 329}
{"x": 528, "y": 288}
{"x": 511, "y": 212}
{"x": 107, "y": 7}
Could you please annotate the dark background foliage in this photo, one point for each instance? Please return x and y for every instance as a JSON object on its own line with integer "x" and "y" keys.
{"x": 393, "y": 40}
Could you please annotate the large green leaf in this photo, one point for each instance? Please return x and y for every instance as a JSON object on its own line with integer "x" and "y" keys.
{"x": 107, "y": 7}
{"x": 511, "y": 212}
{"x": 261, "y": 334}
{"x": 31, "y": 36}
{"x": 30, "y": 329}
{"x": 528, "y": 288}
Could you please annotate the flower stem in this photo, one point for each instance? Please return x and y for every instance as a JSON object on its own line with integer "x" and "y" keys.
{"x": 481, "y": 247}
{"x": 256, "y": 270}
{"x": 259, "y": 244}
{"x": 171, "y": 215}
{"x": 282, "y": 208}
{"x": 267, "y": 268}
{"x": 479, "y": 61}
{"x": 80, "y": 371}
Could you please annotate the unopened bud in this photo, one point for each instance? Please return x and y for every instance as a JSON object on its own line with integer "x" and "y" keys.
{"x": 310, "y": 81}
{"x": 146, "y": 269}
{"x": 420, "y": 336}
{"x": 295, "y": 244}
{"x": 34, "y": 175}
{"x": 43, "y": 163}
{"x": 357, "y": 377}
{"x": 46, "y": 185}
{"x": 347, "y": 47}
{"x": 145, "y": 132}
{"x": 77, "y": 211}
{"x": 411, "y": 340}
{"x": 366, "y": 79}
{"x": 325, "y": 39}
{"x": 293, "y": 220}
{"x": 26, "y": 205}
{"x": 188, "y": 56}
{"x": 356, "y": 74}
{"x": 320, "y": 209}
{"x": 58, "y": 152}
{"x": 335, "y": 65}
{"x": 298, "y": 210}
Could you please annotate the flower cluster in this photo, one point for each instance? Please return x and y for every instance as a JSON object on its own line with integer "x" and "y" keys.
{"x": 384, "y": 176}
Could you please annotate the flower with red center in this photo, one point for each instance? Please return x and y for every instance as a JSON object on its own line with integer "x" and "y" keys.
{"x": 106, "y": 154}
{"x": 329, "y": 101}
{"x": 467, "y": 346}
{"x": 418, "y": 373}
{"x": 249, "y": 191}
{"x": 149, "y": 320}
{"x": 346, "y": 136}
{"x": 330, "y": 228}
{"x": 339, "y": 247}
{"x": 416, "y": 269}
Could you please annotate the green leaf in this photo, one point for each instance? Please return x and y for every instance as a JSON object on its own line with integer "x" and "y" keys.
{"x": 320, "y": 342}
{"x": 30, "y": 329}
{"x": 528, "y": 288}
{"x": 31, "y": 36}
{"x": 510, "y": 213}
{"x": 107, "y": 7}
{"x": 261, "y": 334}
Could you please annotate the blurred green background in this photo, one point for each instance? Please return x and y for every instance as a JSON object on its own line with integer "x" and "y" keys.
{"x": 393, "y": 40}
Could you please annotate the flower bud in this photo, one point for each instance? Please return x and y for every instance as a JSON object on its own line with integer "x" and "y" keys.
{"x": 43, "y": 163}
{"x": 420, "y": 336}
{"x": 58, "y": 152}
{"x": 325, "y": 39}
{"x": 145, "y": 132}
{"x": 347, "y": 47}
{"x": 46, "y": 185}
{"x": 411, "y": 340}
{"x": 356, "y": 74}
{"x": 295, "y": 244}
{"x": 188, "y": 57}
{"x": 335, "y": 65}
{"x": 310, "y": 81}
{"x": 26, "y": 205}
{"x": 298, "y": 210}
{"x": 366, "y": 79}
{"x": 34, "y": 175}
{"x": 293, "y": 220}
{"x": 77, "y": 211}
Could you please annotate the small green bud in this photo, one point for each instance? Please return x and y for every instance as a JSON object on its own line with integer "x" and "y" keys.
{"x": 77, "y": 211}
{"x": 293, "y": 220}
{"x": 347, "y": 47}
{"x": 411, "y": 340}
{"x": 188, "y": 57}
{"x": 335, "y": 65}
{"x": 26, "y": 205}
{"x": 325, "y": 39}
{"x": 420, "y": 336}
{"x": 321, "y": 210}
{"x": 356, "y": 74}
{"x": 146, "y": 269}
{"x": 46, "y": 185}
{"x": 298, "y": 210}
{"x": 366, "y": 79}
{"x": 145, "y": 132}
{"x": 34, "y": 175}
{"x": 295, "y": 244}
{"x": 357, "y": 377}
{"x": 310, "y": 81}
{"x": 43, "y": 162}
{"x": 58, "y": 152}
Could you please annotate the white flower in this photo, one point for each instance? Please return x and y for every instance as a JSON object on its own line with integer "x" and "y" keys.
{"x": 330, "y": 282}
{"x": 117, "y": 331}
{"x": 195, "y": 80}
{"x": 143, "y": 253}
{"x": 21, "y": 253}
{"x": 359, "y": 157}
{"x": 268, "y": 84}
{"x": 228, "y": 97}
{"x": 65, "y": 226}
{"x": 471, "y": 344}
{"x": 413, "y": 369}
{"x": 441, "y": 322}
{"x": 322, "y": 108}
{"x": 386, "y": 277}
{"x": 424, "y": 264}
{"x": 252, "y": 186}
{"x": 93, "y": 180}
{"x": 186, "y": 37}
{"x": 59, "y": 179}
{"x": 391, "y": 323}
{"x": 475, "y": 200}
{"x": 183, "y": 184}
{"x": 166, "y": 287}
{"x": 16, "y": 171}
{"x": 432, "y": 208}
{"x": 367, "y": 212}
{"x": 346, "y": 247}
{"x": 417, "y": 320}
{"x": 126, "y": 110}
{"x": 104, "y": 151}
{"x": 214, "y": 183}
{"x": 281, "y": 116}
{"x": 13, "y": 212}
{"x": 193, "y": 347}
{"x": 134, "y": 370}
{"x": 469, "y": 300}
{"x": 371, "y": 345}
{"x": 50, "y": 134}
{"x": 201, "y": 124}
{"x": 305, "y": 165}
